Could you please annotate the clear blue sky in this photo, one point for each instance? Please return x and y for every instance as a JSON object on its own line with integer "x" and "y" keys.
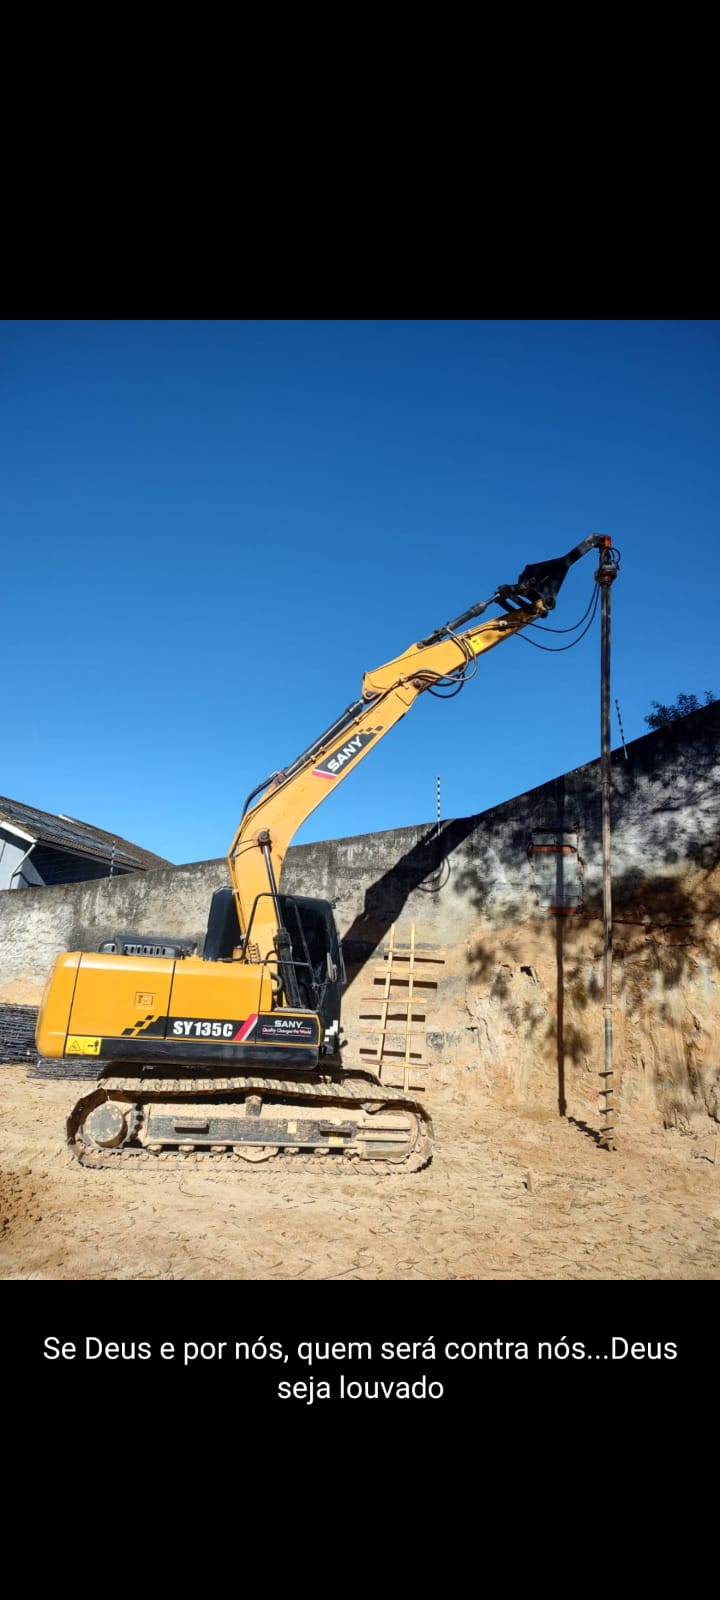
{"x": 211, "y": 529}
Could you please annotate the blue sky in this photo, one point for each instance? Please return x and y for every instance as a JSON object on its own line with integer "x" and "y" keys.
{"x": 212, "y": 529}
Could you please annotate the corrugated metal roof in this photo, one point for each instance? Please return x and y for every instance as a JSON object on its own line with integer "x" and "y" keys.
{"x": 67, "y": 833}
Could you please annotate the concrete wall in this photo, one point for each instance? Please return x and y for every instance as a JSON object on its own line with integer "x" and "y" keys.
{"x": 522, "y": 987}
{"x": 665, "y": 807}
{"x": 35, "y": 924}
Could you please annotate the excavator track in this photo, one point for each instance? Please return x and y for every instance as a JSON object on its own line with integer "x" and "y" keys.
{"x": 141, "y": 1118}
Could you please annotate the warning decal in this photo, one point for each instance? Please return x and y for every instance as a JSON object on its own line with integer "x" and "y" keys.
{"x": 79, "y": 1044}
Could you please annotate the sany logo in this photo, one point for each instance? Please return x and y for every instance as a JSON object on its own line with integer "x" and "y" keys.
{"x": 346, "y": 752}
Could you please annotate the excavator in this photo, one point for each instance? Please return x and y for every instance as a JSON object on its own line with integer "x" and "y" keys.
{"x": 237, "y": 1052}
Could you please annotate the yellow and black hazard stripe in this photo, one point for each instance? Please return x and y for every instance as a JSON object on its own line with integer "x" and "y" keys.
{"x": 151, "y": 1024}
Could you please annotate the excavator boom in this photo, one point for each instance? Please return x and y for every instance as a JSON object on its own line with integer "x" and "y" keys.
{"x": 282, "y": 803}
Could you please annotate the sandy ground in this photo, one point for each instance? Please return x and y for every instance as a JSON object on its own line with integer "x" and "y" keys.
{"x": 510, "y": 1194}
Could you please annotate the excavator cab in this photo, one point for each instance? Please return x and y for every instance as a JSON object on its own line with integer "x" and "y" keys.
{"x": 316, "y": 954}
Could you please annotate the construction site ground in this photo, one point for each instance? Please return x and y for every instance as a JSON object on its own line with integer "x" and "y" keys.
{"x": 513, "y": 1192}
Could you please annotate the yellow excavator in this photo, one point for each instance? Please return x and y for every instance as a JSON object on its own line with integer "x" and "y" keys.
{"x": 237, "y": 1052}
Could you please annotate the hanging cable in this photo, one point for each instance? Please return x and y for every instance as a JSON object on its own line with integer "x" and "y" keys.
{"x": 556, "y": 648}
{"x": 592, "y": 602}
{"x": 463, "y": 673}
{"x": 455, "y": 681}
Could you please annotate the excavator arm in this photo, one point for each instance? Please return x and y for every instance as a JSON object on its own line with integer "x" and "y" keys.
{"x": 444, "y": 660}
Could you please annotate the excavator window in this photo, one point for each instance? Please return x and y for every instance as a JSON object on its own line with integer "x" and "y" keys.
{"x": 312, "y": 931}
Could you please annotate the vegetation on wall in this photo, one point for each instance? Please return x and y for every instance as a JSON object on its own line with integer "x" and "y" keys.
{"x": 661, "y": 715}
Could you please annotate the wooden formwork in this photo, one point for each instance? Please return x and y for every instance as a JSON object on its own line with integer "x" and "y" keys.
{"x": 401, "y": 1008}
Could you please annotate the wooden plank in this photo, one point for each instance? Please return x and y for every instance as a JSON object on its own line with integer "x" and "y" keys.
{"x": 396, "y": 1055}
{"x": 400, "y": 973}
{"x": 395, "y": 1030}
{"x": 386, "y": 999}
{"x": 374, "y": 999}
{"x": 406, "y": 953}
{"x": 393, "y": 1076}
{"x": 406, "y": 1074}
{"x": 373, "y": 1024}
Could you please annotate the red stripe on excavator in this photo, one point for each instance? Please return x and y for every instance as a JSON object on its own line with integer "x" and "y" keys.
{"x": 247, "y": 1027}
{"x": 318, "y": 773}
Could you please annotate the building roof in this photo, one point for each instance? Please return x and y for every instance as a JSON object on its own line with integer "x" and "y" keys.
{"x": 80, "y": 838}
